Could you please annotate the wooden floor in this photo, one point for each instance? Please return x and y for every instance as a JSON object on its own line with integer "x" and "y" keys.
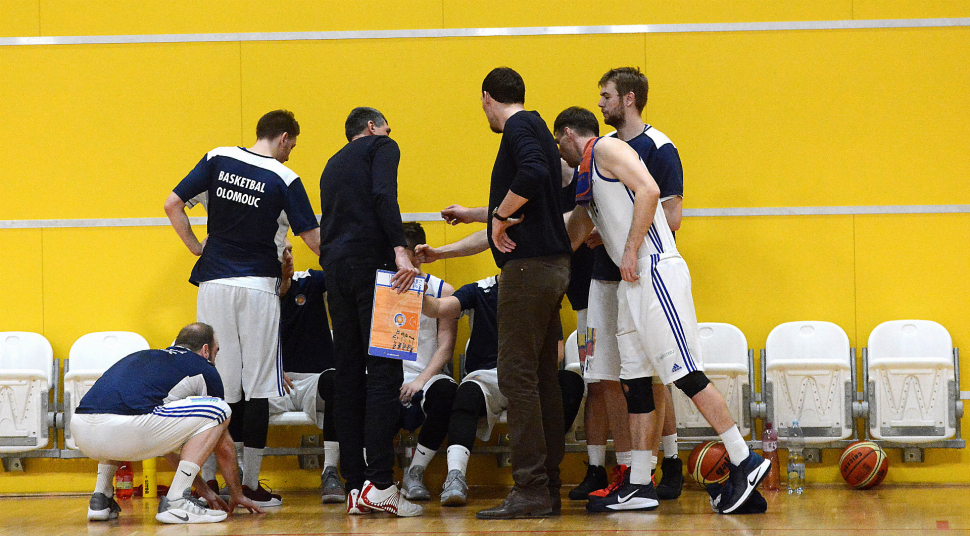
{"x": 822, "y": 510}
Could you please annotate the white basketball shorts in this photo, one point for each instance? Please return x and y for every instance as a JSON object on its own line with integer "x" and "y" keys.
{"x": 495, "y": 401}
{"x": 602, "y": 352}
{"x": 657, "y": 312}
{"x": 104, "y": 437}
{"x": 411, "y": 376}
{"x": 247, "y": 325}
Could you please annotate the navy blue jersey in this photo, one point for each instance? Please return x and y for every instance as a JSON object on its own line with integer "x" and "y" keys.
{"x": 581, "y": 263}
{"x": 144, "y": 380}
{"x": 304, "y": 325}
{"x": 479, "y": 301}
{"x": 251, "y": 197}
{"x": 604, "y": 269}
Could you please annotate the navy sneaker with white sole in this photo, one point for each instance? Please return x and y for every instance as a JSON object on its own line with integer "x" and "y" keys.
{"x": 628, "y": 497}
{"x": 744, "y": 479}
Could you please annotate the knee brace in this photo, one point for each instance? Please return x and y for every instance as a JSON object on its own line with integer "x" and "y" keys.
{"x": 470, "y": 399}
{"x": 692, "y": 383}
{"x": 639, "y": 395}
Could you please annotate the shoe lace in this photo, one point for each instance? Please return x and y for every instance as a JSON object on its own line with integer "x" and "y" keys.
{"x": 619, "y": 474}
{"x": 265, "y": 488}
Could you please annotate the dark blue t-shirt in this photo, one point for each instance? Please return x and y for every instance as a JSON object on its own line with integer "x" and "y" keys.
{"x": 142, "y": 381}
{"x": 251, "y": 197}
{"x": 304, "y": 325}
{"x": 479, "y": 301}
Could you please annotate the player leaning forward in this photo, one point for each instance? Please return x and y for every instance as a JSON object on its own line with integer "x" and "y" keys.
{"x": 656, "y": 318}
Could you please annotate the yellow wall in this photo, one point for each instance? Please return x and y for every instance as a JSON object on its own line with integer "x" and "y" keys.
{"x": 761, "y": 119}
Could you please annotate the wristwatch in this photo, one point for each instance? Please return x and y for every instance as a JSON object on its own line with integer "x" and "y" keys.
{"x": 497, "y": 217}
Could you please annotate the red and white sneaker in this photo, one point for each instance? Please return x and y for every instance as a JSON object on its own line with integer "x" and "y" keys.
{"x": 262, "y": 498}
{"x": 388, "y": 500}
{"x": 354, "y": 505}
{"x": 620, "y": 476}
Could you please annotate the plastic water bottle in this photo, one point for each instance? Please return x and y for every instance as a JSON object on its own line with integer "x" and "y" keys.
{"x": 796, "y": 460}
{"x": 124, "y": 479}
{"x": 769, "y": 446}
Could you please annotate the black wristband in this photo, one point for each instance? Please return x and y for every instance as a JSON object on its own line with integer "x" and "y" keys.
{"x": 496, "y": 215}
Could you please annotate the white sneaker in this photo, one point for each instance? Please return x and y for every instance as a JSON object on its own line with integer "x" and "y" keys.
{"x": 355, "y": 506}
{"x": 388, "y": 500}
{"x": 186, "y": 510}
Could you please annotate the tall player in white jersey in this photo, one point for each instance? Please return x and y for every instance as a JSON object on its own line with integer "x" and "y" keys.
{"x": 616, "y": 193}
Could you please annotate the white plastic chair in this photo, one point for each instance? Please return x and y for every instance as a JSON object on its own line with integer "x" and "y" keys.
{"x": 808, "y": 377}
{"x": 725, "y": 352}
{"x": 26, "y": 375}
{"x": 90, "y": 356}
{"x": 910, "y": 374}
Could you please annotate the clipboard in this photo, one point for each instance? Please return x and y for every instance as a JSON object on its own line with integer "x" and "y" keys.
{"x": 396, "y": 318}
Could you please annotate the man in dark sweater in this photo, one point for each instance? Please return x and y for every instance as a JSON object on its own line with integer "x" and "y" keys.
{"x": 361, "y": 232}
{"x": 528, "y": 240}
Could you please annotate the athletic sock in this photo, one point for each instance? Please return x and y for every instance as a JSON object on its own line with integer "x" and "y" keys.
{"x": 209, "y": 468}
{"x": 422, "y": 456}
{"x": 640, "y": 470}
{"x": 597, "y": 454}
{"x": 653, "y": 461}
{"x": 624, "y": 458}
{"x": 331, "y": 454}
{"x": 106, "y": 477}
{"x": 184, "y": 476}
{"x": 252, "y": 460}
{"x": 458, "y": 458}
{"x": 670, "y": 445}
{"x": 736, "y": 447}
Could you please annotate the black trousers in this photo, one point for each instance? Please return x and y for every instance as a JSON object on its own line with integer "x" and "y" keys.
{"x": 366, "y": 388}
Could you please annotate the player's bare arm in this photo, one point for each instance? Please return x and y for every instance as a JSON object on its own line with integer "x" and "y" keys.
{"x": 447, "y": 334}
{"x": 615, "y": 159}
{"x": 455, "y": 214}
{"x": 502, "y": 220}
{"x": 674, "y": 211}
{"x": 446, "y": 307}
{"x": 312, "y": 239}
{"x": 578, "y": 226}
{"x": 175, "y": 209}
{"x": 472, "y": 244}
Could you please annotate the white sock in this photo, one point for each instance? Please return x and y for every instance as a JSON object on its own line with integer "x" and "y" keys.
{"x": 331, "y": 454}
{"x": 653, "y": 461}
{"x": 184, "y": 476}
{"x": 458, "y": 458}
{"x": 252, "y": 460}
{"x": 422, "y": 456}
{"x": 209, "y": 468}
{"x": 670, "y": 445}
{"x": 640, "y": 470}
{"x": 624, "y": 458}
{"x": 736, "y": 447}
{"x": 106, "y": 477}
{"x": 239, "y": 453}
{"x": 597, "y": 454}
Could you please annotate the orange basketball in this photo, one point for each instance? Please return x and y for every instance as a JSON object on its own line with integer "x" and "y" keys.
{"x": 863, "y": 465}
{"x": 708, "y": 463}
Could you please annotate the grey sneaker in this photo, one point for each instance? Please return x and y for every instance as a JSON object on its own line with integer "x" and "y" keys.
{"x": 413, "y": 487}
{"x": 333, "y": 490}
{"x": 455, "y": 490}
{"x": 187, "y": 509}
{"x": 102, "y": 508}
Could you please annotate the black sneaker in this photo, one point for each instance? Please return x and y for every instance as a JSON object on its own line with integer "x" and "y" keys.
{"x": 742, "y": 480}
{"x": 595, "y": 479}
{"x": 671, "y": 479}
{"x": 102, "y": 508}
{"x": 628, "y": 497}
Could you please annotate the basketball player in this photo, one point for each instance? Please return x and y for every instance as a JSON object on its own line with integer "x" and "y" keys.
{"x": 656, "y": 312}
{"x": 162, "y": 403}
{"x": 623, "y": 96}
{"x": 252, "y": 200}
{"x": 424, "y": 382}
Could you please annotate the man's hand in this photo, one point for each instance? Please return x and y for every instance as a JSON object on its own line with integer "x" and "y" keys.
{"x": 455, "y": 214}
{"x": 287, "y": 383}
{"x": 406, "y": 272}
{"x": 499, "y": 236}
{"x": 628, "y": 267}
{"x": 426, "y": 254}
{"x": 241, "y": 500}
{"x": 594, "y": 240}
{"x": 409, "y": 389}
{"x": 212, "y": 498}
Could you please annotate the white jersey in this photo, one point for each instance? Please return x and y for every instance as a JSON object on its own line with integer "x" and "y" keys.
{"x": 611, "y": 210}
{"x": 427, "y": 332}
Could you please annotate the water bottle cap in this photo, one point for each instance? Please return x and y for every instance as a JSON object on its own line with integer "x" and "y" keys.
{"x": 794, "y": 422}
